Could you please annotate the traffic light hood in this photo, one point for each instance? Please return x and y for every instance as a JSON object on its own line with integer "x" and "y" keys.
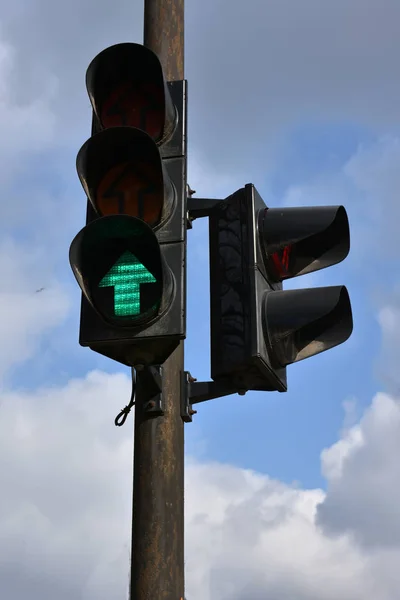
{"x": 122, "y": 172}
{"x": 126, "y": 86}
{"x": 296, "y": 241}
{"x": 118, "y": 264}
{"x": 302, "y": 323}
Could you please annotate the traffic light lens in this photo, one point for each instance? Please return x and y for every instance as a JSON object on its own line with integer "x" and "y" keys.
{"x": 122, "y": 173}
{"x": 132, "y": 188}
{"x": 126, "y": 277}
{"x": 297, "y": 241}
{"x": 280, "y": 262}
{"x": 127, "y": 88}
{"x": 118, "y": 264}
{"x": 302, "y": 323}
{"x": 139, "y": 105}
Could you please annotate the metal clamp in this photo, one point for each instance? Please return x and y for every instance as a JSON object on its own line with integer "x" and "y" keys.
{"x": 149, "y": 380}
{"x": 203, "y": 207}
{"x": 194, "y": 391}
{"x": 187, "y": 411}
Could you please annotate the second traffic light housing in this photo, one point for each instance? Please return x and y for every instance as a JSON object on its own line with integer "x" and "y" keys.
{"x": 257, "y": 328}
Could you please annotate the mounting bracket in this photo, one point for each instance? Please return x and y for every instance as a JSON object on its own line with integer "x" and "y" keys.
{"x": 194, "y": 392}
{"x": 149, "y": 381}
{"x": 203, "y": 207}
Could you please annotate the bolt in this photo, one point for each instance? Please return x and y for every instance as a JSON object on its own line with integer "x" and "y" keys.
{"x": 192, "y": 412}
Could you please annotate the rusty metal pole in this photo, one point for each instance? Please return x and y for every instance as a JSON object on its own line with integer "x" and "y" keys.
{"x": 164, "y": 34}
{"x": 157, "y": 557}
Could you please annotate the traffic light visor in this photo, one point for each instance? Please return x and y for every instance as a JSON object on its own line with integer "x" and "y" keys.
{"x": 301, "y": 323}
{"x": 126, "y": 86}
{"x": 121, "y": 171}
{"x": 118, "y": 265}
{"x": 296, "y": 241}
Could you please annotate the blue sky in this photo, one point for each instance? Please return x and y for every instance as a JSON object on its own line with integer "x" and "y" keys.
{"x": 287, "y": 495}
{"x": 283, "y": 434}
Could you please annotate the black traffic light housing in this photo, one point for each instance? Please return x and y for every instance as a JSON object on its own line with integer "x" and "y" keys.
{"x": 257, "y": 329}
{"x": 133, "y": 170}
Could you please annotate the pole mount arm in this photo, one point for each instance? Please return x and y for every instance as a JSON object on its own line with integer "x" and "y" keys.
{"x": 203, "y": 207}
{"x": 194, "y": 392}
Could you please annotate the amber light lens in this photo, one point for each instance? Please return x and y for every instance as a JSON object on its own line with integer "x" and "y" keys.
{"x": 132, "y": 188}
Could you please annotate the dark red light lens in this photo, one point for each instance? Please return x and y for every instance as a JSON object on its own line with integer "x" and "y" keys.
{"x": 139, "y": 105}
{"x": 280, "y": 261}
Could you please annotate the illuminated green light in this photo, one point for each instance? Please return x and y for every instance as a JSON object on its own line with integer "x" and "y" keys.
{"x": 126, "y": 277}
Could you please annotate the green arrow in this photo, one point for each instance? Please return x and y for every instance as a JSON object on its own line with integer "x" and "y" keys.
{"x": 126, "y": 276}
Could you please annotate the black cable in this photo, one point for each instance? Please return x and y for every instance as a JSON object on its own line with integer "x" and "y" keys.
{"x": 121, "y": 417}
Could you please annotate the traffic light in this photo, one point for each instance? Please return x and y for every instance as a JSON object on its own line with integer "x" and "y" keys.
{"x": 129, "y": 259}
{"x": 257, "y": 328}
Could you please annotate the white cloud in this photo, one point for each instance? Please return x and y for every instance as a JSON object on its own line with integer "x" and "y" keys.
{"x": 373, "y": 171}
{"x": 308, "y": 61}
{"x": 363, "y": 473}
{"x": 27, "y": 126}
{"x": 296, "y": 61}
{"x": 66, "y": 501}
{"x": 26, "y": 314}
{"x": 334, "y": 458}
{"x": 389, "y": 321}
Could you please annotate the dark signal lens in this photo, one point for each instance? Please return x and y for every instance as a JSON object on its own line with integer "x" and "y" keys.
{"x": 132, "y": 188}
{"x": 297, "y": 241}
{"x": 135, "y": 105}
{"x": 122, "y": 173}
{"x": 279, "y": 262}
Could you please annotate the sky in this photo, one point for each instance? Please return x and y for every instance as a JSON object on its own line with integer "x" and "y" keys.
{"x": 287, "y": 496}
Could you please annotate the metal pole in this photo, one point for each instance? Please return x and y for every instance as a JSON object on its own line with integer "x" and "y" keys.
{"x": 157, "y": 557}
{"x": 164, "y": 34}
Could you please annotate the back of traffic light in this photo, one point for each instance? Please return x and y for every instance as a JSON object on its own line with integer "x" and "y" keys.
{"x": 257, "y": 328}
{"x": 129, "y": 259}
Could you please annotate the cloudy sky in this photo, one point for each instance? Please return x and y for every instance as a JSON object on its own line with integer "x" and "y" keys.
{"x": 290, "y": 496}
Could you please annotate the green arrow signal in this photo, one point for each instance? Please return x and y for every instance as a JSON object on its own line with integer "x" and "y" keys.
{"x": 126, "y": 276}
